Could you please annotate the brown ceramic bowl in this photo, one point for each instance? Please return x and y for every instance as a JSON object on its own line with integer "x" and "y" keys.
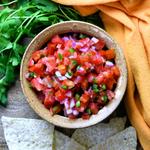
{"x": 41, "y": 39}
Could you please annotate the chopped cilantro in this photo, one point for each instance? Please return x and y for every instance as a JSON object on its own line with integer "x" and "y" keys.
{"x": 32, "y": 75}
{"x": 71, "y": 50}
{"x": 74, "y": 62}
{"x": 64, "y": 87}
{"x": 104, "y": 98}
{"x": 81, "y": 36}
{"x": 77, "y": 96}
{"x": 60, "y": 56}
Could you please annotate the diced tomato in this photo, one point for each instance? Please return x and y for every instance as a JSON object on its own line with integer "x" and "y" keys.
{"x": 87, "y": 66}
{"x": 57, "y": 40}
{"x": 35, "y": 82}
{"x": 37, "y": 69}
{"x": 51, "y": 48}
{"x": 85, "y": 97}
{"x": 66, "y": 61}
{"x": 56, "y": 109}
{"x": 102, "y": 53}
{"x": 94, "y": 108}
{"x": 99, "y": 68}
{"x": 31, "y": 62}
{"x": 85, "y": 41}
{"x": 110, "y": 82}
{"x": 110, "y": 54}
{"x": 97, "y": 60}
{"x": 80, "y": 71}
{"x": 99, "y": 79}
{"x": 83, "y": 58}
{"x": 85, "y": 116}
{"x": 116, "y": 72}
{"x": 49, "y": 98}
{"x": 62, "y": 69}
{"x": 55, "y": 84}
{"x": 50, "y": 63}
{"x": 68, "y": 45}
{"x": 39, "y": 54}
{"x": 91, "y": 77}
{"x": 70, "y": 84}
{"x": 66, "y": 53}
{"x": 84, "y": 84}
{"x": 60, "y": 95}
{"x": 100, "y": 44}
{"x": 71, "y": 116}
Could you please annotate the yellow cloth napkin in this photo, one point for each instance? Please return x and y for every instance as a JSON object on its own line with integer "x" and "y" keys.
{"x": 128, "y": 21}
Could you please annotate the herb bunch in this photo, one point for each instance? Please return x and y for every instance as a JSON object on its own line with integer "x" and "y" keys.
{"x": 25, "y": 18}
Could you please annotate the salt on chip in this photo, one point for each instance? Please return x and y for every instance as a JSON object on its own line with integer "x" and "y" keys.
{"x": 63, "y": 142}
{"x": 27, "y": 134}
{"x": 91, "y": 136}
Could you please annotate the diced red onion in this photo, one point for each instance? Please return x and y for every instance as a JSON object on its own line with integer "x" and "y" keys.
{"x": 93, "y": 48}
{"x": 72, "y": 103}
{"x": 46, "y": 83}
{"x": 109, "y": 64}
{"x": 39, "y": 80}
{"x": 69, "y": 111}
{"x": 80, "y": 44}
{"x": 75, "y": 112}
{"x": 84, "y": 49}
{"x": 69, "y": 94}
{"x": 110, "y": 94}
{"x": 78, "y": 79}
{"x": 58, "y": 74}
{"x": 73, "y": 44}
{"x": 95, "y": 40}
{"x": 66, "y": 103}
{"x": 65, "y": 38}
{"x": 27, "y": 75}
{"x": 62, "y": 78}
{"x": 58, "y": 46}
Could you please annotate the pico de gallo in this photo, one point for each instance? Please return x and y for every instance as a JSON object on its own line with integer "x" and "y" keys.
{"x": 74, "y": 75}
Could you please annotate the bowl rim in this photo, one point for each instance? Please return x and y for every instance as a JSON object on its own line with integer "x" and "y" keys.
{"x": 94, "y": 119}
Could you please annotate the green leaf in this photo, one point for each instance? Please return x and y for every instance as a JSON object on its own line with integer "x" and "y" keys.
{"x": 14, "y": 61}
{"x": 4, "y": 13}
{"x": 3, "y": 99}
{"x": 4, "y": 44}
{"x": 46, "y": 5}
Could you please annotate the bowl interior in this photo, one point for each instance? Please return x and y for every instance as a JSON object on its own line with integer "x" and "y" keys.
{"x": 41, "y": 39}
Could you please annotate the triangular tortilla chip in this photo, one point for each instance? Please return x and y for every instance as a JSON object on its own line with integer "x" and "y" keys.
{"x": 125, "y": 140}
{"x": 91, "y": 136}
{"x": 27, "y": 134}
{"x": 63, "y": 142}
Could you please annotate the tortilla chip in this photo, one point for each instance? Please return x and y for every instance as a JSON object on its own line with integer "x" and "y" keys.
{"x": 63, "y": 142}
{"x": 27, "y": 134}
{"x": 125, "y": 140}
{"x": 91, "y": 136}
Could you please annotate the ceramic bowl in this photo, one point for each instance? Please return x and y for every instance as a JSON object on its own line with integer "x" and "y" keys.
{"x": 81, "y": 27}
